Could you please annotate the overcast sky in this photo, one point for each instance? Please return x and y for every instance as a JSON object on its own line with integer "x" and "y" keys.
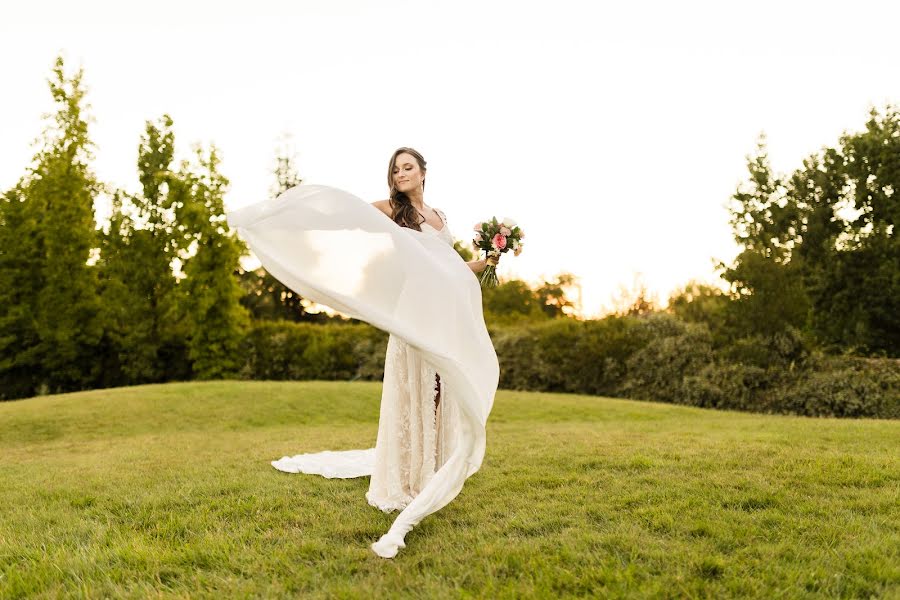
{"x": 613, "y": 133}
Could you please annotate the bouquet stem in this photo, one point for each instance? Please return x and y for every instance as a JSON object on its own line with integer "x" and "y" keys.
{"x": 489, "y": 277}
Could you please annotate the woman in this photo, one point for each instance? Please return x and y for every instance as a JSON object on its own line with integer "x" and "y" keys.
{"x": 415, "y": 433}
{"x": 339, "y": 251}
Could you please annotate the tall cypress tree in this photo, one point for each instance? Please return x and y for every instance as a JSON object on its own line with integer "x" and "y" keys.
{"x": 51, "y": 325}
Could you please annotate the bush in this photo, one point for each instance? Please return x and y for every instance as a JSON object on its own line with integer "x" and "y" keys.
{"x": 566, "y": 355}
{"x": 288, "y": 350}
{"x": 786, "y": 348}
{"x": 728, "y": 386}
{"x": 674, "y": 350}
{"x": 653, "y": 357}
{"x": 864, "y": 388}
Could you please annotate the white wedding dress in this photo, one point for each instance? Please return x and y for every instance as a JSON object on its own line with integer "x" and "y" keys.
{"x": 340, "y": 251}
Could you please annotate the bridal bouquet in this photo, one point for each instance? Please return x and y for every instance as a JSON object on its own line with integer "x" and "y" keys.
{"x": 496, "y": 237}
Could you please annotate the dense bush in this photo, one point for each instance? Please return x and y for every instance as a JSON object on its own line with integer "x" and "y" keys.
{"x": 656, "y": 357}
{"x": 565, "y": 355}
{"x": 674, "y": 351}
{"x": 728, "y": 386}
{"x": 287, "y": 350}
{"x": 848, "y": 387}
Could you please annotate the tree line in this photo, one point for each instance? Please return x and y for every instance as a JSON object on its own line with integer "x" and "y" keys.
{"x": 158, "y": 292}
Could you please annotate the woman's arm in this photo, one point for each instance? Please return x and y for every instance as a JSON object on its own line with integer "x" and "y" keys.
{"x": 478, "y": 266}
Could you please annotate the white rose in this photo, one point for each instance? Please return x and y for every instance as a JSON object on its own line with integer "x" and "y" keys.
{"x": 508, "y": 222}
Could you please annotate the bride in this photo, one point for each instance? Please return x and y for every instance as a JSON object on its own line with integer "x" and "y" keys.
{"x": 402, "y": 275}
{"x": 415, "y": 432}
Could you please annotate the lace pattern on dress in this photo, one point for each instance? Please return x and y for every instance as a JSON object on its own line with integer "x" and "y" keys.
{"x": 413, "y": 436}
{"x": 408, "y": 447}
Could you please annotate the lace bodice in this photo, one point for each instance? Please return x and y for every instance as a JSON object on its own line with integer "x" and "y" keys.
{"x": 444, "y": 232}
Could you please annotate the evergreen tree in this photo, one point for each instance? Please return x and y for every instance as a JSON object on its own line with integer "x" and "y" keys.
{"x": 212, "y": 294}
{"x": 58, "y": 335}
{"x": 146, "y": 336}
{"x": 21, "y": 262}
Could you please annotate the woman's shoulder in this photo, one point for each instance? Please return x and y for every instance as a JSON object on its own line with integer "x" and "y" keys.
{"x": 383, "y": 205}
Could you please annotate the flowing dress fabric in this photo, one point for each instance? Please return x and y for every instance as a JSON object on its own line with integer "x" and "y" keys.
{"x": 414, "y": 436}
{"x": 338, "y": 250}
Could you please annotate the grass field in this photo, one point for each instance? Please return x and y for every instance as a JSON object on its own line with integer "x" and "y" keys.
{"x": 166, "y": 490}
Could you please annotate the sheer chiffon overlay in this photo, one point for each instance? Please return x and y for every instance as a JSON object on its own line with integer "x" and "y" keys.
{"x": 336, "y": 249}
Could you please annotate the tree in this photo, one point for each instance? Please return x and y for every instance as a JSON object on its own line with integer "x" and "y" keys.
{"x": 636, "y": 301}
{"x": 697, "y": 302}
{"x": 762, "y": 217}
{"x": 820, "y": 249}
{"x": 464, "y": 250}
{"x": 769, "y": 296}
{"x": 55, "y": 338}
{"x": 285, "y": 171}
{"x": 146, "y": 336}
{"x": 856, "y": 290}
{"x": 264, "y": 296}
{"x": 20, "y": 267}
{"x": 552, "y": 297}
{"x": 268, "y": 299}
{"x": 212, "y": 251}
{"x": 513, "y": 300}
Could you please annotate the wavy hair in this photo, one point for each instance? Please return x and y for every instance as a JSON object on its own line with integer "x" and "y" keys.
{"x": 402, "y": 210}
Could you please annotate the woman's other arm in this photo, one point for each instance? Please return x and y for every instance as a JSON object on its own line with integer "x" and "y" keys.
{"x": 478, "y": 266}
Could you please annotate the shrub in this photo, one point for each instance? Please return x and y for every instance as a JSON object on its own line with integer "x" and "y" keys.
{"x": 862, "y": 388}
{"x": 288, "y": 350}
{"x": 566, "y": 355}
{"x": 674, "y": 350}
{"x": 728, "y": 386}
{"x": 653, "y": 357}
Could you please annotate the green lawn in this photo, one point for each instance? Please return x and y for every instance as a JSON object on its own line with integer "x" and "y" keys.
{"x": 166, "y": 490}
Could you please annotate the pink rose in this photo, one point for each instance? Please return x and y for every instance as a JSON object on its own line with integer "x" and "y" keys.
{"x": 478, "y": 226}
{"x": 499, "y": 241}
{"x": 505, "y": 230}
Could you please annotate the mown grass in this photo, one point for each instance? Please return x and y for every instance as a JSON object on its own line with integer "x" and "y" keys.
{"x": 166, "y": 490}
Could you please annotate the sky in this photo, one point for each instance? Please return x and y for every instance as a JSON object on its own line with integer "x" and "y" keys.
{"x": 614, "y": 133}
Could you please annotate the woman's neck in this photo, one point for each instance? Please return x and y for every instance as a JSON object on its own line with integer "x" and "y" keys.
{"x": 417, "y": 199}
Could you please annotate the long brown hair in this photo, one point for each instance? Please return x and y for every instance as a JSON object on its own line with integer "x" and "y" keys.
{"x": 402, "y": 210}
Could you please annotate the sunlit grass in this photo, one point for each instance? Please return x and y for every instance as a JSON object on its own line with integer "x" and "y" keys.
{"x": 167, "y": 490}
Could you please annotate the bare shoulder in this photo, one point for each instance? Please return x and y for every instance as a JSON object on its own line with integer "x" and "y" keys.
{"x": 383, "y": 205}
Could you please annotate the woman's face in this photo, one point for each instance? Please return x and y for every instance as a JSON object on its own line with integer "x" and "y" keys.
{"x": 407, "y": 175}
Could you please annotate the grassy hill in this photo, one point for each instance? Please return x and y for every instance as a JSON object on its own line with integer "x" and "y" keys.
{"x": 166, "y": 490}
